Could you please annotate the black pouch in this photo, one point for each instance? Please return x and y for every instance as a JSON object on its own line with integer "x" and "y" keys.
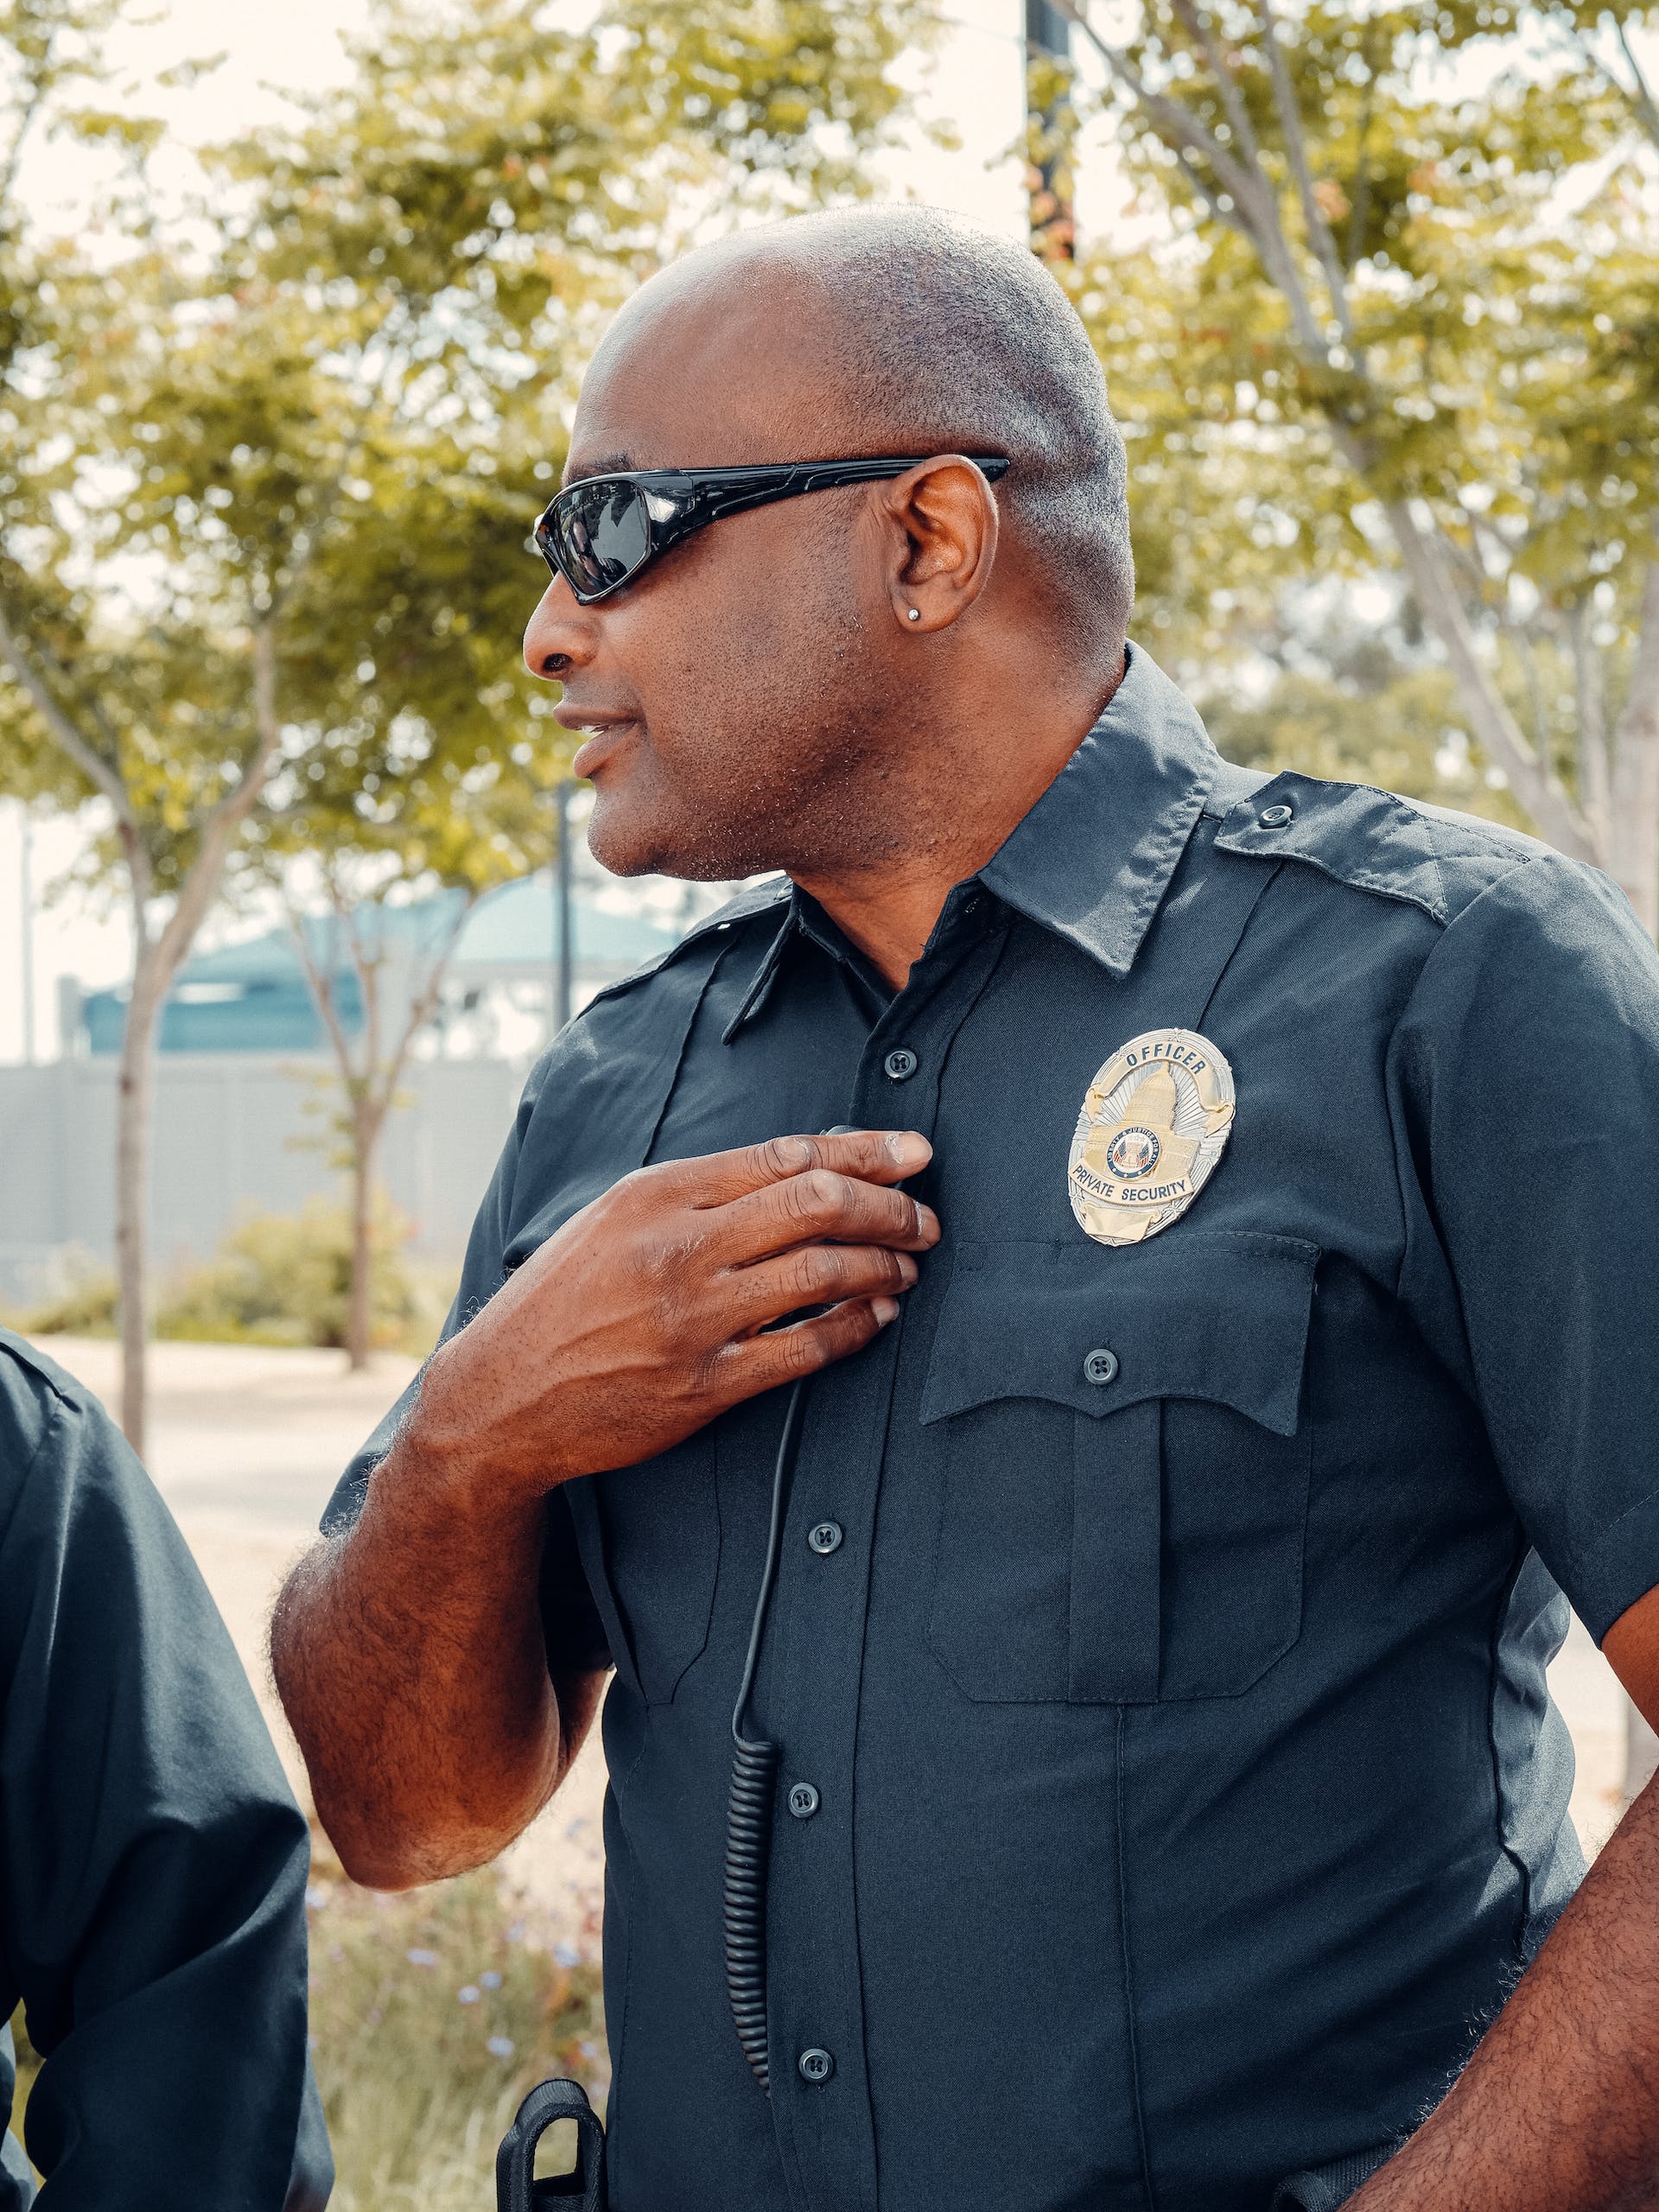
{"x": 516, "y": 2188}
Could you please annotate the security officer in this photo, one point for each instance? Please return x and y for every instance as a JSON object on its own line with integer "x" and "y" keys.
{"x": 152, "y": 1858}
{"x": 1230, "y": 1327}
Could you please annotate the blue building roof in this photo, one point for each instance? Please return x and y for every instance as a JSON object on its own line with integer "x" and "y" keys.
{"x": 253, "y": 997}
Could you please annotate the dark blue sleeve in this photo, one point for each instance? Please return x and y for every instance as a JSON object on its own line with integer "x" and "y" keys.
{"x": 571, "y": 1621}
{"x": 1525, "y": 1073}
{"x": 154, "y": 1860}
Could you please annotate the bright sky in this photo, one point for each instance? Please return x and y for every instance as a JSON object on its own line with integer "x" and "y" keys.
{"x": 976, "y": 83}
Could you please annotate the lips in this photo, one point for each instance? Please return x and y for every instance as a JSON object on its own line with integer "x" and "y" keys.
{"x": 605, "y": 728}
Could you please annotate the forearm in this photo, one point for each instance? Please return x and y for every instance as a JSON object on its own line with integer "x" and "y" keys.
{"x": 1558, "y": 2110}
{"x": 411, "y": 1660}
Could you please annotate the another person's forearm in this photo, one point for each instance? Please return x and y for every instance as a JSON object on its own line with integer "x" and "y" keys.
{"x": 411, "y": 1660}
{"x": 1558, "y": 2110}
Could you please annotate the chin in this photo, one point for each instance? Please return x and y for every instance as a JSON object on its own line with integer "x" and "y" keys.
{"x": 629, "y": 836}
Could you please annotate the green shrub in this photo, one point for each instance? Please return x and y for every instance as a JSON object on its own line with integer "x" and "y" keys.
{"x": 432, "y": 2014}
{"x": 78, "y": 1300}
{"x": 285, "y": 1279}
{"x": 276, "y": 1279}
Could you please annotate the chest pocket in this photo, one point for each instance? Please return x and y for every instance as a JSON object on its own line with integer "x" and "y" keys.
{"x": 1122, "y": 1456}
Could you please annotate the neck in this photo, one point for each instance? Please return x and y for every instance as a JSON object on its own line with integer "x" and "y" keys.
{"x": 888, "y": 908}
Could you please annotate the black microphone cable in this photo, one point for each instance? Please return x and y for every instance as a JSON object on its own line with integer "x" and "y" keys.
{"x": 754, "y": 1779}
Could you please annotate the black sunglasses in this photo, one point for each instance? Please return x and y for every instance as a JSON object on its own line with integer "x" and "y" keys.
{"x": 600, "y": 532}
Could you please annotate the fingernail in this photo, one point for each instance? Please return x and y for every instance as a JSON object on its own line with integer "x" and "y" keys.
{"x": 885, "y": 1310}
{"x": 905, "y": 1149}
{"x": 927, "y": 1221}
{"x": 907, "y": 1268}
{"x": 795, "y": 1152}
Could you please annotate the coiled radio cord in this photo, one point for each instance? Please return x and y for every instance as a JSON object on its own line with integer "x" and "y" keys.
{"x": 754, "y": 1780}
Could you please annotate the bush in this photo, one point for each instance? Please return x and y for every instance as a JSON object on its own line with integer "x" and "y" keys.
{"x": 285, "y": 1279}
{"x": 77, "y": 1299}
{"x": 432, "y": 2014}
{"x": 276, "y": 1279}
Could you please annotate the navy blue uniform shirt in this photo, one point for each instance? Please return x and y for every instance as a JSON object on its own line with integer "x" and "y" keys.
{"x": 1188, "y": 1790}
{"x": 152, "y": 1858}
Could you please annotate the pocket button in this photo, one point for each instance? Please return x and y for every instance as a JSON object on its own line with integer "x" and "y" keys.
{"x": 824, "y": 1537}
{"x": 1100, "y": 1366}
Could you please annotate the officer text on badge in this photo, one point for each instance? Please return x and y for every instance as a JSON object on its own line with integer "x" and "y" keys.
{"x": 1155, "y": 1121}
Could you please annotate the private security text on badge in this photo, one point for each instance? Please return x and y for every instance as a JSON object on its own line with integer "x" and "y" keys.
{"x": 1155, "y": 1121}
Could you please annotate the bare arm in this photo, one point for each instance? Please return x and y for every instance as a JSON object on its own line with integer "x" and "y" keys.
{"x": 409, "y": 1654}
{"x": 1558, "y": 2110}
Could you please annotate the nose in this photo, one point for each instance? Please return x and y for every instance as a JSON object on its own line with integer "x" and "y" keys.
{"x": 561, "y": 636}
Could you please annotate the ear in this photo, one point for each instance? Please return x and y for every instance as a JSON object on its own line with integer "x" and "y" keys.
{"x": 939, "y": 530}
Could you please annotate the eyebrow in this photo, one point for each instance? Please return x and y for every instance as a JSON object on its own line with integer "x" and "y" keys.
{"x": 608, "y": 464}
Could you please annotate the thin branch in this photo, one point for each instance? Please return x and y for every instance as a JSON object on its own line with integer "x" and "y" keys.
{"x": 1592, "y": 715}
{"x": 1318, "y": 231}
{"x": 62, "y": 731}
{"x": 1535, "y": 784}
{"x": 1238, "y": 114}
{"x": 1641, "y": 94}
{"x": 1251, "y": 189}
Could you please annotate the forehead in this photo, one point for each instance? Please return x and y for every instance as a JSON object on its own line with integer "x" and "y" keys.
{"x": 694, "y": 375}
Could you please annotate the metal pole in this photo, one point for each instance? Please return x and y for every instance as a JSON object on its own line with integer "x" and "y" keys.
{"x": 27, "y": 892}
{"x": 562, "y": 911}
{"x": 1048, "y": 173}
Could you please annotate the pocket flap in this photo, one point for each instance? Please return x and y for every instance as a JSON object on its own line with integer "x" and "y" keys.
{"x": 1197, "y": 1314}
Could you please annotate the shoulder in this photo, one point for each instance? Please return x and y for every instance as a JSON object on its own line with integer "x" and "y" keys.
{"x": 1430, "y": 857}
{"x": 626, "y": 1014}
{"x": 33, "y": 1390}
{"x": 47, "y": 1418}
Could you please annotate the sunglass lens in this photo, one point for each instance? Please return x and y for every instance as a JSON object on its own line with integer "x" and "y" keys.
{"x": 598, "y": 534}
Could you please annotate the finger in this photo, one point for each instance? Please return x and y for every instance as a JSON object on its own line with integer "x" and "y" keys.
{"x": 875, "y": 1155}
{"x": 820, "y": 1207}
{"x": 812, "y": 1274}
{"x": 757, "y": 1364}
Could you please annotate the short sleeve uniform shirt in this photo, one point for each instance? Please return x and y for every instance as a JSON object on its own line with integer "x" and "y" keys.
{"x": 1187, "y": 1792}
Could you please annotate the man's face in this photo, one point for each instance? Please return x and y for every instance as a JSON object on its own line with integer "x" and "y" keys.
{"x": 733, "y": 693}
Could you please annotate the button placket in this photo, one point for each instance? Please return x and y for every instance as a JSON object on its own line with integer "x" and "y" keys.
{"x": 820, "y": 1611}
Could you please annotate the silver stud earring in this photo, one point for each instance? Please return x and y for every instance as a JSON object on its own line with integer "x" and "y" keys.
{"x": 914, "y": 612}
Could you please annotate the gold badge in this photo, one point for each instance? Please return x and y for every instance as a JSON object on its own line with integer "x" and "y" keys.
{"x": 1153, "y": 1124}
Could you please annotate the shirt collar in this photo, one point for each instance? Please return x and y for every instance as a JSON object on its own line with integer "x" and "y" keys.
{"x": 1093, "y": 858}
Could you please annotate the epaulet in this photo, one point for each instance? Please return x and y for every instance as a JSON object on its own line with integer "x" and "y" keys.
{"x": 1429, "y": 856}
{"x": 759, "y": 899}
{"x": 17, "y": 1351}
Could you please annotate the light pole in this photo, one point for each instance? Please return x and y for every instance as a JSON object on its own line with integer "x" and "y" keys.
{"x": 1048, "y": 165}
{"x": 562, "y": 910}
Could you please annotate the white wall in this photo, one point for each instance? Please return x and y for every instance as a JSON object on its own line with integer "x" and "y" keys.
{"x": 234, "y": 1132}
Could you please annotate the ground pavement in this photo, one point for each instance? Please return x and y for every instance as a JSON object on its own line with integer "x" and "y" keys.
{"x": 246, "y": 1444}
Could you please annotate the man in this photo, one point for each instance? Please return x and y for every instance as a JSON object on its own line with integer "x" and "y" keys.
{"x": 1236, "y": 1303}
{"x": 152, "y": 1858}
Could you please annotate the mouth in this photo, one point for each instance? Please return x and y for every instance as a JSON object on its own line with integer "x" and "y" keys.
{"x": 605, "y": 728}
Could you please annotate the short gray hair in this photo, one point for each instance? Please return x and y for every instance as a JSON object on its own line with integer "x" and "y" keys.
{"x": 960, "y": 341}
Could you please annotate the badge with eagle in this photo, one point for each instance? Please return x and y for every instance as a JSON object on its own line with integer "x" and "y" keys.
{"x": 1155, "y": 1121}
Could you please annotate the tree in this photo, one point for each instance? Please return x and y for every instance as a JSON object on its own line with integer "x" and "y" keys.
{"x": 1387, "y": 316}
{"x": 274, "y": 472}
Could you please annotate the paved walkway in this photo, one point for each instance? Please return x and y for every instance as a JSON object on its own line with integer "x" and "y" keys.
{"x": 246, "y": 1445}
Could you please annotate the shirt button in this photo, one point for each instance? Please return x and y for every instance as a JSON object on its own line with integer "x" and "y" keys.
{"x": 815, "y": 2065}
{"x": 825, "y": 1537}
{"x": 1274, "y": 817}
{"x": 901, "y": 1064}
{"x": 802, "y": 1800}
{"x": 1100, "y": 1366}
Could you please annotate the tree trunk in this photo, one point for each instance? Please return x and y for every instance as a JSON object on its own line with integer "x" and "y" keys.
{"x": 134, "y": 1099}
{"x": 1633, "y": 812}
{"x": 359, "y": 1313}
